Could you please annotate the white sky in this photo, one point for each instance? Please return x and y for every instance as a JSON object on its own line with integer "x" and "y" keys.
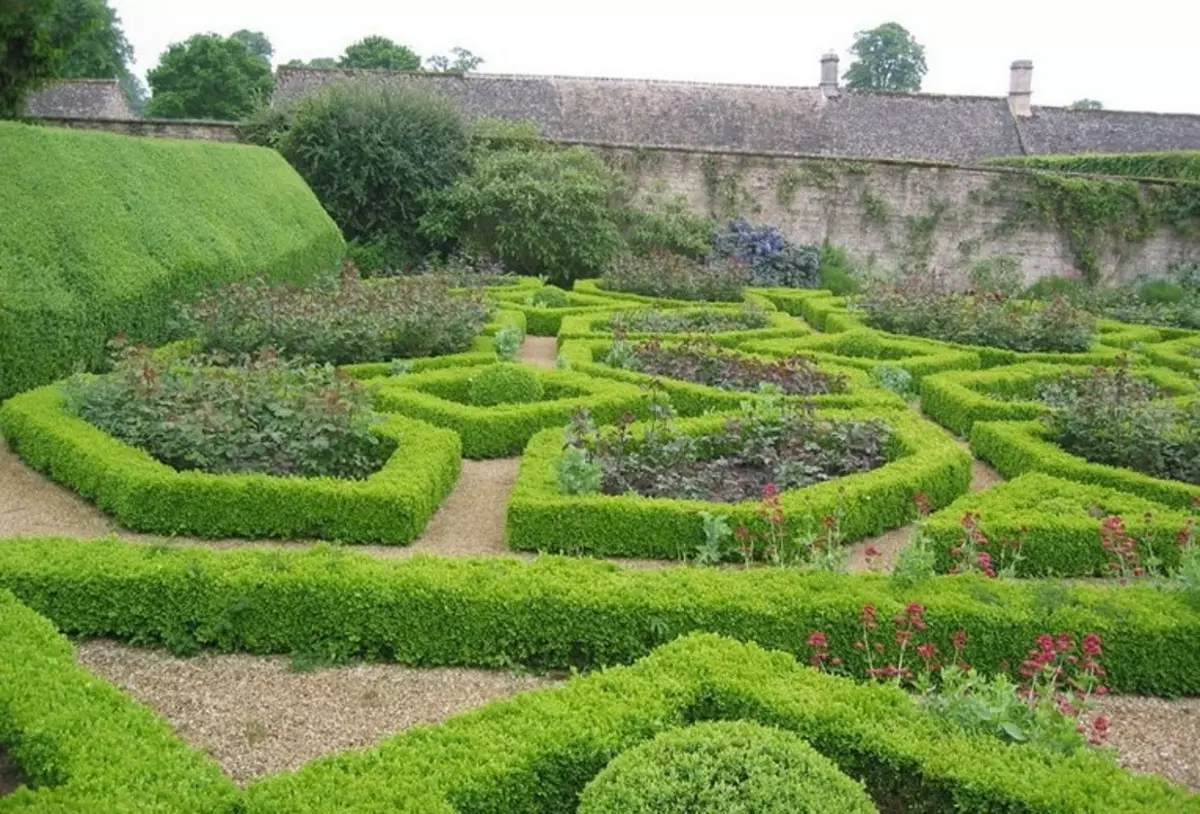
{"x": 1139, "y": 56}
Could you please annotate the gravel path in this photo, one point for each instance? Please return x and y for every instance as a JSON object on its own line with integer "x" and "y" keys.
{"x": 539, "y": 350}
{"x": 1156, "y": 735}
{"x": 33, "y": 505}
{"x": 471, "y": 520}
{"x": 256, "y": 716}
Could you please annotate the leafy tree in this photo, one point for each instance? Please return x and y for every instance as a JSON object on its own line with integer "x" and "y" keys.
{"x": 31, "y": 47}
{"x": 208, "y": 77}
{"x": 464, "y": 62}
{"x": 1087, "y": 104}
{"x": 257, "y": 42}
{"x": 887, "y": 58}
{"x": 319, "y": 62}
{"x": 101, "y": 51}
{"x": 380, "y": 52}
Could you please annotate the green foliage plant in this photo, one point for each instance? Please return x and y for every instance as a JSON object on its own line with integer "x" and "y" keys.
{"x": 887, "y": 57}
{"x": 504, "y": 384}
{"x": 380, "y": 53}
{"x": 208, "y": 77}
{"x": 723, "y": 325}
{"x": 34, "y": 46}
{"x": 507, "y": 342}
{"x": 672, "y": 276}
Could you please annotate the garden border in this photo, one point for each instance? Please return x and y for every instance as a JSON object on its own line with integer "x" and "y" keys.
{"x": 1169, "y": 354}
{"x": 778, "y": 324}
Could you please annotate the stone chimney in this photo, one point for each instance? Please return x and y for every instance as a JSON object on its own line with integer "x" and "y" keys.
{"x": 1020, "y": 89}
{"x": 829, "y": 75}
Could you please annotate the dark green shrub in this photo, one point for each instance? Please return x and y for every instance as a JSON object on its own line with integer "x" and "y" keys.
{"x": 1048, "y": 288}
{"x": 265, "y": 415}
{"x": 340, "y": 323}
{"x": 670, "y": 227}
{"x": 102, "y": 233}
{"x": 673, "y": 276}
{"x": 549, "y": 297}
{"x": 723, "y": 767}
{"x": 656, "y": 320}
{"x": 836, "y": 270}
{"x": 540, "y": 212}
{"x": 1161, "y": 292}
{"x": 504, "y": 384}
{"x": 371, "y": 153}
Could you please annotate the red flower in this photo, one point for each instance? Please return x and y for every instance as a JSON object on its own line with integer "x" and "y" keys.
{"x": 959, "y": 639}
{"x": 1091, "y": 645}
{"x": 770, "y": 491}
{"x": 817, "y": 639}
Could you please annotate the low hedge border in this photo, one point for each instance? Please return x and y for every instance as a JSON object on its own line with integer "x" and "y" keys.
{"x": 535, "y": 753}
{"x": 557, "y": 612}
{"x": 1114, "y": 334}
{"x": 923, "y": 459}
{"x": 482, "y": 352}
{"x": 83, "y": 745}
{"x": 503, "y": 430}
{"x": 1176, "y": 354}
{"x": 867, "y": 349}
{"x": 1058, "y": 524}
{"x": 959, "y": 399}
{"x": 792, "y": 300}
{"x": 595, "y": 326}
{"x": 391, "y": 506}
{"x": 691, "y": 399}
{"x": 593, "y": 288}
{"x": 1017, "y": 447}
{"x": 545, "y": 321}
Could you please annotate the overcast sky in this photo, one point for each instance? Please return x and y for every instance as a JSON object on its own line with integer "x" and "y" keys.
{"x": 1139, "y": 56}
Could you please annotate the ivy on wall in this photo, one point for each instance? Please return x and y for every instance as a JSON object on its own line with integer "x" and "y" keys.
{"x": 1183, "y": 165}
{"x": 725, "y": 188}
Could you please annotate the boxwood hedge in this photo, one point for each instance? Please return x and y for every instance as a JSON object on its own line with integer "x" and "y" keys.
{"x": 482, "y": 352}
{"x": 1017, "y": 447}
{"x": 534, "y": 754}
{"x": 440, "y": 397}
{"x": 556, "y": 612}
{"x": 101, "y": 233}
{"x": 1181, "y": 354}
{"x": 594, "y": 288}
{"x": 545, "y": 321}
{"x": 1125, "y": 335}
{"x": 957, "y": 400}
{"x": 391, "y": 506}
{"x": 923, "y": 459}
{"x": 82, "y": 744}
{"x": 867, "y": 350}
{"x": 595, "y": 326}
{"x": 1058, "y": 525}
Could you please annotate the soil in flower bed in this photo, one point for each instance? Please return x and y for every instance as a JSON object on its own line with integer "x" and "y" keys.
{"x": 703, "y": 362}
{"x": 771, "y": 442}
{"x": 655, "y": 320}
{"x": 11, "y": 775}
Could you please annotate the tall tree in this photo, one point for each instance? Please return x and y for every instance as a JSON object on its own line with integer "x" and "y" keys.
{"x": 887, "y": 58}
{"x": 208, "y": 77}
{"x": 464, "y": 62}
{"x": 257, "y": 42}
{"x": 31, "y": 45}
{"x": 101, "y": 50}
{"x": 380, "y": 52}
{"x": 1087, "y": 104}
{"x": 319, "y": 62}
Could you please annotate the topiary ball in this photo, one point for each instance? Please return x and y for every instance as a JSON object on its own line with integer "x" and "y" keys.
{"x": 549, "y": 297}
{"x": 727, "y": 767}
{"x": 504, "y": 384}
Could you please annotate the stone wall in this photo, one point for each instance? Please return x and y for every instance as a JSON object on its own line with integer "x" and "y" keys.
{"x": 155, "y": 128}
{"x": 893, "y": 214}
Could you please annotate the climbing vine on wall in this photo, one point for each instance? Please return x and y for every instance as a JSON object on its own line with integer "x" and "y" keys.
{"x": 919, "y": 237}
{"x": 724, "y": 186}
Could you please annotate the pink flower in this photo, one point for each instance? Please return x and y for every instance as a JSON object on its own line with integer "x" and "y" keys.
{"x": 817, "y": 639}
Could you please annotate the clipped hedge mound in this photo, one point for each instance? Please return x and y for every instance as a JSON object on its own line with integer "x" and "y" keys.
{"x": 556, "y": 612}
{"x": 546, "y": 320}
{"x": 596, "y": 326}
{"x": 957, "y": 400}
{"x": 867, "y": 349}
{"x": 1017, "y": 447}
{"x": 1058, "y": 525}
{"x": 391, "y": 506}
{"x": 691, "y": 399}
{"x": 442, "y": 397}
{"x": 101, "y": 233}
{"x": 723, "y": 767}
{"x": 922, "y": 459}
{"x": 84, "y": 746}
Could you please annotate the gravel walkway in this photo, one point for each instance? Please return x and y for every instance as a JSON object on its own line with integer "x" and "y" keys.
{"x": 256, "y": 716}
{"x": 471, "y": 520}
{"x": 539, "y": 350}
{"x": 1156, "y": 735}
{"x": 33, "y": 505}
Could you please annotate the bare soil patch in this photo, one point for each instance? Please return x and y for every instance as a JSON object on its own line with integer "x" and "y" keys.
{"x": 539, "y": 350}
{"x": 11, "y": 776}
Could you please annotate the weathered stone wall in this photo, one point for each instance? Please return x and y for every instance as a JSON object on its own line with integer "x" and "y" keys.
{"x": 155, "y": 128}
{"x": 890, "y": 214}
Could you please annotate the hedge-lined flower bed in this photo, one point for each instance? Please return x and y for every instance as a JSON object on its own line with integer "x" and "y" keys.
{"x": 922, "y": 458}
{"x": 441, "y": 397}
{"x": 602, "y": 326}
{"x": 545, "y": 318}
{"x": 870, "y": 350}
{"x": 556, "y": 612}
{"x": 1181, "y": 354}
{"x": 390, "y": 506}
{"x": 959, "y": 399}
{"x": 1055, "y": 527}
{"x": 84, "y": 746}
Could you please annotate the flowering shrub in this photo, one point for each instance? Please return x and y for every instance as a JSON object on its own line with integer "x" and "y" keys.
{"x": 702, "y": 362}
{"x": 264, "y": 415}
{"x": 657, "y": 320}
{"x": 916, "y": 307}
{"x": 1113, "y": 417}
{"x": 771, "y": 258}
{"x": 345, "y": 322}
{"x": 673, "y": 276}
{"x": 767, "y": 541}
{"x": 769, "y": 442}
{"x": 977, "y": 553}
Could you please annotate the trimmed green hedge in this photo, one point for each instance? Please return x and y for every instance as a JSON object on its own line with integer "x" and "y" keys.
{"x": 535, "y": 753}
{"x": 1114, "y": 334}
{"x": 84, "y": 746}
{"x": 391, "y": 506}
{"x": 595, "y": 326}
{"x": 101, "y": 233}
{"x": 593, "y": 288}
{"x": 440, "y": 397}
{"x": 1181, "y": 354}
{"x": 791, "y": 300}
{"x": 556, "y": 612}
{"x": 923, "y": 458}
{"x": 957, "y": 400}
{"x": 544, "y": 321}
{"x": 1017, "y": 447}
{"x": 867, "y": 349}
{"x": 690, "y": 399}
{"x": 1058, "y": 524}
{"x": 482, "y": 352}
{"x": 1183, "y": 165}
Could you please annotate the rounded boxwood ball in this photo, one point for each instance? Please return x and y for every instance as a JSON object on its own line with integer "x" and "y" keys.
{"x": 504, "y": 384}
{"x": 727, "y": 767}
{"x": 550, "y": 296}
